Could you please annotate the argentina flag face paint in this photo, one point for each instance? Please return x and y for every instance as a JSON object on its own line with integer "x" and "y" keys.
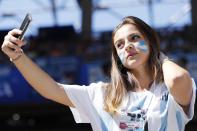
{"x": 142, "y": 46}
{"x": 122, "y": 57}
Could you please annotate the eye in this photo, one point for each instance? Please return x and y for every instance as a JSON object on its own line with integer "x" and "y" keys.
{"x": 119, "y": 44}
{"x": 135, "y": 38}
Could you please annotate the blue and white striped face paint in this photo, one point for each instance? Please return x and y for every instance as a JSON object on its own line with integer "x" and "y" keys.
{"x": 142, "y": 46}
{"x": 122, "y": 58}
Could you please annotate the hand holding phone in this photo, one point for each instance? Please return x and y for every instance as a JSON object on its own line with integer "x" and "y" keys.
{"x": 27, "y": 20}
{"x": 11, "y": 46}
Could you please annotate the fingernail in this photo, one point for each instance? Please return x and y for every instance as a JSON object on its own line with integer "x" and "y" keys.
{"x": 21, "y": 50}
{"x": 20, "y": 31}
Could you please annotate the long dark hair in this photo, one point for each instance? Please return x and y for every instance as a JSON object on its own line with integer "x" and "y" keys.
{"x": 121, "y": 79}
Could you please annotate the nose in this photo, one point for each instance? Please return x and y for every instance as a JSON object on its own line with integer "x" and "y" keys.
{"x": 129, "y": 47}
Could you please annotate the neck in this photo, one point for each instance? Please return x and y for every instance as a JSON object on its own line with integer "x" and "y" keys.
{"x": 143, "y": 76}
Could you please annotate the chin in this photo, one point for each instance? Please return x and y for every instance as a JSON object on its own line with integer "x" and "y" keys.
{"x": 133, "y": 64}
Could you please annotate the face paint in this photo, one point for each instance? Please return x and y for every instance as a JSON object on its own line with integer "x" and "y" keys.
{"x": 121, "y": 56}
{"x": 141, "y": 45}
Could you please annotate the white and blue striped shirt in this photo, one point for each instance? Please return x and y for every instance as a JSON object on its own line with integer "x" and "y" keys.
{"x": 156, "y": 108}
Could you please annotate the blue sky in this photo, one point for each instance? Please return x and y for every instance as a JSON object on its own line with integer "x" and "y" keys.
{"x": 69, "y": 13}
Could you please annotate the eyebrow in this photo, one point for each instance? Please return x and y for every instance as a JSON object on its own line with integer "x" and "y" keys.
{"x": 134, "y": 34}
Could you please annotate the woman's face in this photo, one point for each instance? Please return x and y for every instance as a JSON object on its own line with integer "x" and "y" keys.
{"x": 131, "y": 46}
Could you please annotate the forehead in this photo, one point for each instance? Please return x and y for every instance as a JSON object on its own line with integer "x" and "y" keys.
{"x": 124, "y": 31}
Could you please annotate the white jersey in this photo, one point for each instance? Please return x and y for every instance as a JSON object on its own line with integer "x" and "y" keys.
{"x": 155, "y": 109}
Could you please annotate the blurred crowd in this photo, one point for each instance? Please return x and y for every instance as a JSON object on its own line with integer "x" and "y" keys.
{"x": 64, "y": 41}
{"x": 70, "y": 59}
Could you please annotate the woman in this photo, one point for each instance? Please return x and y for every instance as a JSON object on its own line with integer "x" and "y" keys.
{"x": 147, "y": 91}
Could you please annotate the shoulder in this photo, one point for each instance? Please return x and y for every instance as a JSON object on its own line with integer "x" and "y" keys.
{"x": 97, "y": 88}
{"x": 99, "y": 84}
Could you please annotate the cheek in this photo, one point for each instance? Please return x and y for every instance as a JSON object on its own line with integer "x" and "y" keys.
{"x": 142, "y": 46}
{"x": 121, "y": 56}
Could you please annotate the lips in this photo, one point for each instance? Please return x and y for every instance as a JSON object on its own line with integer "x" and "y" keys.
{"x": 131, "y": 54}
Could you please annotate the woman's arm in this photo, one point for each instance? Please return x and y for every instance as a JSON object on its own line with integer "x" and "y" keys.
{"x": 36, "y": 77}
{"x": 179, "y": 82}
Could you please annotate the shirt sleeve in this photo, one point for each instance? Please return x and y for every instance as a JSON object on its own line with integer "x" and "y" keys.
{"x": 81, "y": 97}
{"x": 178, "y": 110}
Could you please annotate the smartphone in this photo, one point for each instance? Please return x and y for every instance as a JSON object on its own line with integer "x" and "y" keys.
{"x": 27, "y": 20}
